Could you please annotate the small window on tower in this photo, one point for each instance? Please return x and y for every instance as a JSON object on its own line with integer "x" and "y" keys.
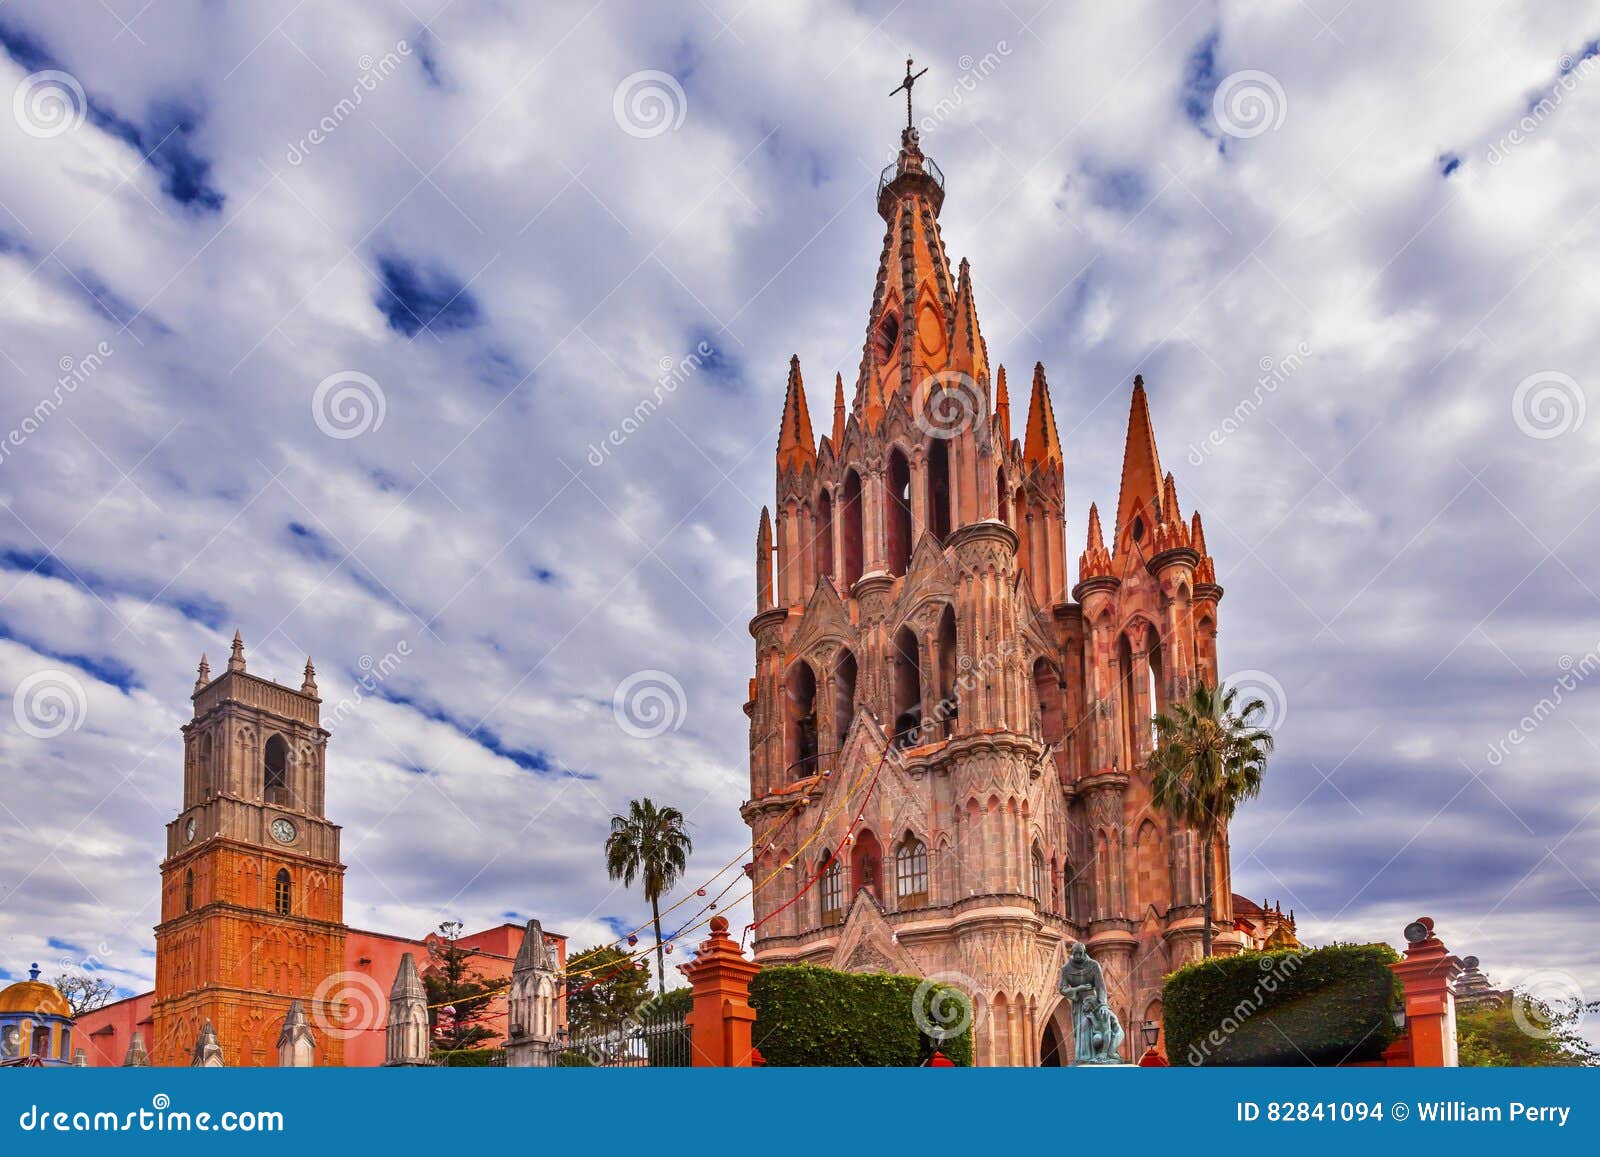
{"x": 888, "y": 337}
{"x": 1138, "y": 528}
{"x": 276, "y": 776}
{"x": 283, "y": 898}
{"x": 188, "y": 891}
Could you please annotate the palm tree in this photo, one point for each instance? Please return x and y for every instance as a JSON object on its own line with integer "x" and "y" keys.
{"x": 1208, "y": 758}
{"x": 649, "y": 843}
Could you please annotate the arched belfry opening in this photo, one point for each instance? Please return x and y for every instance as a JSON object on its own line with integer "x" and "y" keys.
{"x": 888, "y": 337}
{"x": 907, "y": 687}
{"x": 800, "y": 720}
{"x": 851, "y": 541}
{"x": 275, "y": 776}
{"x": 949, "y": 692}
{"x": 897, "y": 513}
{"x": 824, "y": 537}
{"x": 844, "y": 697}
{"x": 939, "y": 514}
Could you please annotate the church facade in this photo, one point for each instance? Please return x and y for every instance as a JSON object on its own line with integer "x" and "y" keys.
{"x": 947, "y": 738}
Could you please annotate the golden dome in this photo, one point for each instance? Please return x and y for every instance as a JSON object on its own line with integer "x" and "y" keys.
{"x": 36, "y": 998}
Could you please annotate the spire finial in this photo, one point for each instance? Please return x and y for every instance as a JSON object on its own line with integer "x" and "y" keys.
{"x": 33, "y": 971}
{"x": 204, "y": 675}
{"x": 906, "y": 84}
{"x": 236, "y": 658}
{"x": 309, "y": 687}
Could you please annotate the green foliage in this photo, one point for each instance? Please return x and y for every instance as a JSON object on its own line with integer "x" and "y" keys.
{"x": 667, "y": 1038}
{"x": 605, "y": 986}
{"x": 651, "y": 845}
{"x": 469, "y": 1058}
{"x": 1323, "y": 1006}
{"x": 458, "y": 995}
{"x": 676, "y": 1003}
{"x": 813, "y": 1016}
{"x": 1208, "y": 758}
{"x": 1546, "y": 1037}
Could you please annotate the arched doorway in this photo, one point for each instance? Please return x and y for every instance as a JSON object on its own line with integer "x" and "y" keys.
{"x": 1052, "y": 1051}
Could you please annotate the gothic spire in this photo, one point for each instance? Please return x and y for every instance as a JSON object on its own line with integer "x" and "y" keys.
{"x": 309, "y": 687}
{"x": 1043, "y": 447}
{"x": 764, "y": 563}
{"x": 968, "y": 355}
{"x": 1205, "y": 570}
{"x": 797, "y": 447}
{"x": 236, "y": 658}
{"x": 1002, "y": 409}
{"x": 1095, "y": 560}
{"x": 204, "y": 675}
{"x": 873, "y": 407}
{"x": 207, "y": 1050}
{"x": 1141, "y": 472}
{"x": 838, "y": 412}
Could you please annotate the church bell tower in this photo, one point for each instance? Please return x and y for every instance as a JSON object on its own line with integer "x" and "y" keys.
{"x": 252, "y": 900}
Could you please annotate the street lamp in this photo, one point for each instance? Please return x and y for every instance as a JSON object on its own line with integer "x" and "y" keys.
{"x": 1152, "y": 1033}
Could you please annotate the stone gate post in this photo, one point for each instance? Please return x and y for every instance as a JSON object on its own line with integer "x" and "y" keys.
{"x": 721, "y": 1020}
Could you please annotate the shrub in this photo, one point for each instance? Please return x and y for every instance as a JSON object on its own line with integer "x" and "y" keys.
{"x": 1321, "y": 1006}
{"x": 807, "y": 1015}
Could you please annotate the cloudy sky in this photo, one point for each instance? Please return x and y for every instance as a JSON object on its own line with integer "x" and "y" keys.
{"x": 328, "y": 326}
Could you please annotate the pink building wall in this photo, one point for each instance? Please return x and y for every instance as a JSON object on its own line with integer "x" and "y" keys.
{"x": 372, "y": 959}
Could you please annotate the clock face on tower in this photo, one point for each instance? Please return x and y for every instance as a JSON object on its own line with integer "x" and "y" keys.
{"x": 188, "y": 831}
{"x": 283, "y": 831}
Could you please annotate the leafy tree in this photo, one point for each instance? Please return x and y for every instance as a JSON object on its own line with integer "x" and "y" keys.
{"x": 1208, "y": 758}
{"x": 649, "y": 844}
{"x": 458, "y": 995}
{"x": 1526, "y": 1032}
{"x": 84, "y": 993}
{"x": 605, "y": 986}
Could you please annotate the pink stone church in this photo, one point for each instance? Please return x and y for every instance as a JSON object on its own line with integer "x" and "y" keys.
{"x": 921, "y": 604}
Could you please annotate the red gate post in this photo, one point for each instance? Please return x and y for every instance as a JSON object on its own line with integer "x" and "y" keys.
{"x": 721, "y": 1020}
{"x": 1429, "y": 974}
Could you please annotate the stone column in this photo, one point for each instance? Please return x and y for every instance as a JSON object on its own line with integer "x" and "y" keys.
{"x": 721, "y": 1020}
{"x": 1429, "y": 973}
{"x": 406, "y": 1038}
{"x": 531, "y": 1006}
{"x": 137, "y": 1056}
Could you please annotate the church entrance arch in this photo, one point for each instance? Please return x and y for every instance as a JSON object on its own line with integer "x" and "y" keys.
{"x": 1055, "y": 1043}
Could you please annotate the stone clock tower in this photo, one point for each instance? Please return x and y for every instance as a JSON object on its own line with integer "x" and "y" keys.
{"x": 252, "y": 890}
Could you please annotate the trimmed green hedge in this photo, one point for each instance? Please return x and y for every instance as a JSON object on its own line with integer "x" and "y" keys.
{"x": 813, "y": 1016}
{"x": 1321, "y": 1006}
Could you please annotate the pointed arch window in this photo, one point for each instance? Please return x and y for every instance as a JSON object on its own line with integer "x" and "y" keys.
{"x": 866, "y": 865}
{"x": 1041, "y": 887}
{"x": 939, "y": 496}
{"x": 907, "y": 687}
{"x": 831, "y": 887}
{"x": 844, "y": 698}
{"x": 283, "y": 894}
{"x": 851, "y": 543}
{"x": 202, "y": 766}
{"x": 824, "y": 535}
{"x": 911, "y": 872}
{"x": 801, "y": 720}
{"x": 188, "y": 890}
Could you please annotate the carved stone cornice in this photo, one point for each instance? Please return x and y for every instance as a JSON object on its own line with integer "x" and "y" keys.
{"x": 1209, "y": 591}
{"x": 1094, "y": 585}
{"x": 1177, "y": 556}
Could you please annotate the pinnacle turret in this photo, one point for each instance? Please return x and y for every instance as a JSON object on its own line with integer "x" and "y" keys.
{"x": 797, "y": 447}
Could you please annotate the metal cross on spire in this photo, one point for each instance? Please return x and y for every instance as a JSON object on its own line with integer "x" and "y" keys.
{"x": 906, "y": 84}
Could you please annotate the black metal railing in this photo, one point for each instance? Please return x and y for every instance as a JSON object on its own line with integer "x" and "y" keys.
{"x": 658, "y": 1042}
